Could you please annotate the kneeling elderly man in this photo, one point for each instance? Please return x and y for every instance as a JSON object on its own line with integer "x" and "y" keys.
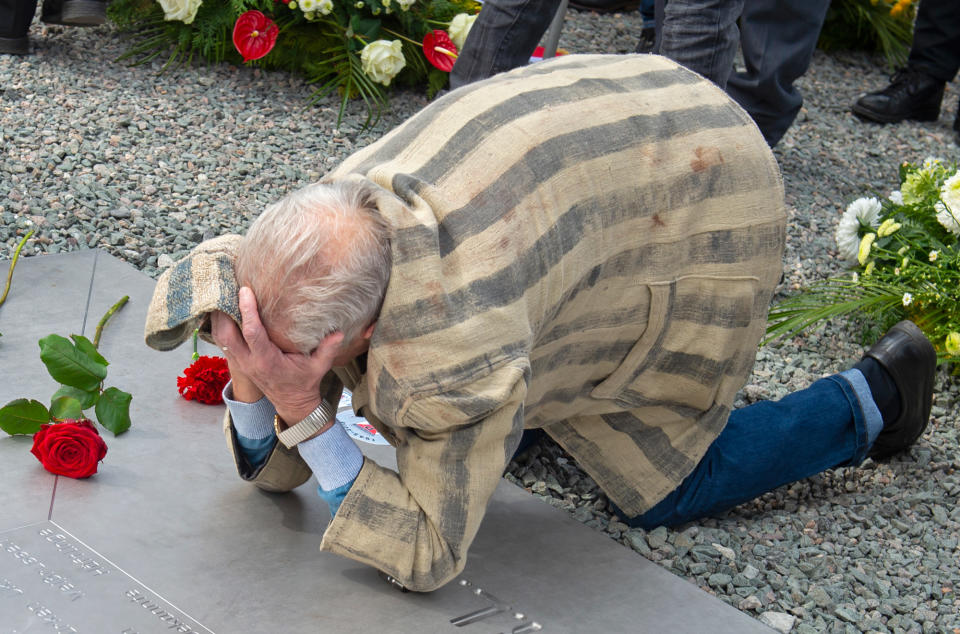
{"x": 586, "y": 246}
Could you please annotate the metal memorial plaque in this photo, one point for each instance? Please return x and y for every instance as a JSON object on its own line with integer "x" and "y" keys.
{"x": 50, "y": 581}
{"x": 167, "y": 538}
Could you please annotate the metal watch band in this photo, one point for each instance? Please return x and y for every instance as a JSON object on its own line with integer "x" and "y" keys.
{"x": 310, "y": 425}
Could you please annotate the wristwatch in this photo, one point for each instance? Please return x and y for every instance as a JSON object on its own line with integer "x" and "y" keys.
{"x": 314, "y": 422}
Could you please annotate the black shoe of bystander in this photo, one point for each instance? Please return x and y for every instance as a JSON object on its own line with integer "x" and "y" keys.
{"x": 74, "y": 12}
{"x": 909, "y": 359}
{"x": 912, "y": 94}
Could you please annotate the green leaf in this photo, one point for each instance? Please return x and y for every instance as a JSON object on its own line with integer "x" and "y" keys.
{"x": 69, "y": 366}
{"x": 87, "y": 399}
{"x": 63, "y": 407}
{"x": 86, "y": 346}
{"x": 113, "y": 410}
{"x": 23, "y": 416}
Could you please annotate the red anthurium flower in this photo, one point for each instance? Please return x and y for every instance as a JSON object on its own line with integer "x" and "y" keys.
{"x": 439, "y": 50}
{"x": 254, "y": 35}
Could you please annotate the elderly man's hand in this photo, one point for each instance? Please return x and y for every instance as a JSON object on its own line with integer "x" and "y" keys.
{"x": 290, "y": 380}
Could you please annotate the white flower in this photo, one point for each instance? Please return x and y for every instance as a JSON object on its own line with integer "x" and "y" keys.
{"x": 863, "y": 211}
{"x": 406, "y": 4}
{"x": 907, "y": 299}
{"x": 325, "y": 6}
{"x": 948, "y": 211}
{"x": 933, "y": 255}
{"x": 947, "y": 219}
{"x": 183, "y": 10}
{"x": 931, "y": 162}
{"x": 896, "y": 197}
{"x": 382, "y": 60}
{"x": 460, "y": 27}
{"x": 308, "y": 6}
{"x": 855, "y": 277}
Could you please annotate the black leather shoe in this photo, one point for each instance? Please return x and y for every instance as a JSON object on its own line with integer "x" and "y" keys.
{"x": 15, "y": 45}
{"x": 74, "y": 12}
{"x": 606, "y": 6}
{"x": 911, "y": 95}
{"x": 910, "y": 359}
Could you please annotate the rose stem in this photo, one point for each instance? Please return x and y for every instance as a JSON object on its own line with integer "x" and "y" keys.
{"x": 103, "y": 320}
{"x": 13, "y": 263}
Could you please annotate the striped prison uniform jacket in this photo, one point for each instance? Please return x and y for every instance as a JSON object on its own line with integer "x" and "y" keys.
{"x": 587, "y": 245}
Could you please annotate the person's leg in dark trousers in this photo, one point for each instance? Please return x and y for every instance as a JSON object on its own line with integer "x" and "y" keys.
{"x": 778, "y": 38}
{"x": 916, "y": 91}
{"x": 701, "y": 35}
{"x": 503, "y": 37}
{"x": 15, "y": 18}
{"x": 936, "y": 39}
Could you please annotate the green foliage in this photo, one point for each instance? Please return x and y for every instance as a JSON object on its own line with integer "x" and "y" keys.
{"x": 883, "y": 26}
{"x": 22, "y": 416}
{"x": 323, "y": 49}
{"x": 81, "y": 370}
{"x": 908, "y": 268}
{"x": 68, "y": 365}
{"x": 113, "y": 410}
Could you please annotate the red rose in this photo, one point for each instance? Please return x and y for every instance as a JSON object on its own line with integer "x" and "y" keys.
{"x": 204, "y": 380}
{"x": 440, "y": 50}
{"x": 254, "y": 35}
{"x": 71, "y": 448}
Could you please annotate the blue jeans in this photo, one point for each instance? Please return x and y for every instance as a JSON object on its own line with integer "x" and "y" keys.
{"x": 830, "y": 424}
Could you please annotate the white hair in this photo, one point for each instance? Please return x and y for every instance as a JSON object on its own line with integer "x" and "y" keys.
{"x": 318, "y": 262}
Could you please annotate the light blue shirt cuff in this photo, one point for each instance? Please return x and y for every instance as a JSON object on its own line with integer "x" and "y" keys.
{"x": 333, "y": 457}
{"x": 251, "y": 420}
{"x": 335, "y": 497}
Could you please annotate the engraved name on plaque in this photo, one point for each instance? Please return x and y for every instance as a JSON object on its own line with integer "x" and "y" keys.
{"x": 52, "y": 582}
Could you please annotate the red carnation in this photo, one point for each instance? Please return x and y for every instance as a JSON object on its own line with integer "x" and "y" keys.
{"x": 71, "y": 448}
{"x": 204, "y": 381}
{"x": 254, "y": 35}
{"x": 440, "y": 50}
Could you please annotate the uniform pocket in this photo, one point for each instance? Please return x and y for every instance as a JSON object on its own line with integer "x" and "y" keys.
{"x": 700, "y": 339}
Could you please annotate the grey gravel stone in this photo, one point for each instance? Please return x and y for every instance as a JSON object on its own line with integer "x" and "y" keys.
{"x": 779, "y": 621}
{"x": 97, "y": 154}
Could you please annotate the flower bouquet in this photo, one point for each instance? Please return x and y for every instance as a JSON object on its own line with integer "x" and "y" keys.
{"x": 874, "y": 25}
{"x": 906, "y": 254}
{"x": 356, "y": 47}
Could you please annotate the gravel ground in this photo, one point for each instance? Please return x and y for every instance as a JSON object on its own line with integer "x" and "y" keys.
{"x": 145, "y": 165}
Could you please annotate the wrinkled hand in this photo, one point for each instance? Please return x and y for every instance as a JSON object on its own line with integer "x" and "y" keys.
{"x": 291, "y": 381}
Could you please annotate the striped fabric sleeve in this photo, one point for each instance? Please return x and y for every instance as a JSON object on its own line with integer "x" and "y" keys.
{"x": 418, "y": 523}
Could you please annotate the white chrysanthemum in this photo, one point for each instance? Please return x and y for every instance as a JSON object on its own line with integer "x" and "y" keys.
{"x": 325, "y": 6}
{"x": 931, "y": 162}
{"x": 382, "y": 60}
{"x": 950, "y": 221}
{"x": 896, "y": 197}
{"x": 183, "y": 10}
{"x": 907, "y": 299}
{"x": 308, "y": 6}
{"x": 460, "y": 27}
{"x": 861, "y": 212}
{"x": 933, "y": 255}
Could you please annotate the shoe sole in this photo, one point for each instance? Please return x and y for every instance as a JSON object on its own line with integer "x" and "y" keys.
{"x": 80, "y": 13}
{"x": 880, "y": 117}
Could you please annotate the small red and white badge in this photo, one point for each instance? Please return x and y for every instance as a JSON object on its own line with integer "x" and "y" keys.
{"x": 357, "y": 427}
